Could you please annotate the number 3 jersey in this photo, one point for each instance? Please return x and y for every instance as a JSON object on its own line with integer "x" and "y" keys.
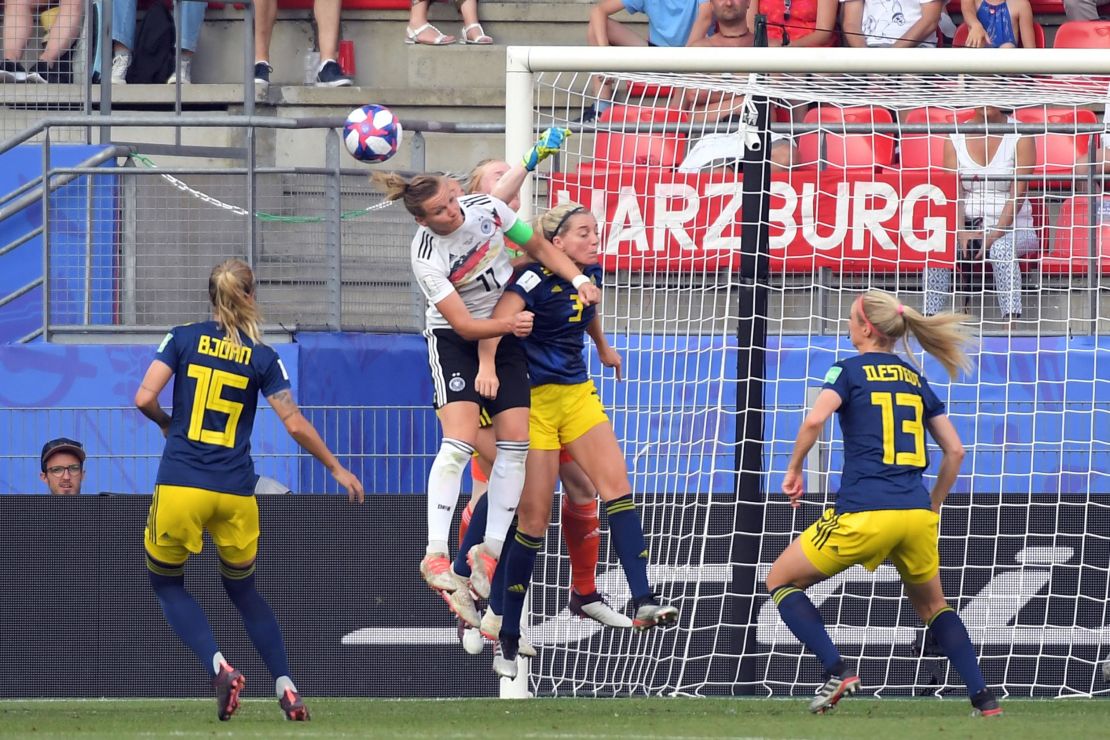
{"x": 471, "y": 260}
{"x": 215, "y": 395}
{"x": 885, "y": 403}
{"x": 554, "y": 347}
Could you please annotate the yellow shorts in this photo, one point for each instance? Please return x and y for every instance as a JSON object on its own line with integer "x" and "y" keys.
{"x": 561, "y": 414}
{"x": 908, "y": 538}
{"x": 179, "y": 515}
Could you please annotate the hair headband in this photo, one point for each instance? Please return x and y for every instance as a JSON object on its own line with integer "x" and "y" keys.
{"x": 558, "y": 227}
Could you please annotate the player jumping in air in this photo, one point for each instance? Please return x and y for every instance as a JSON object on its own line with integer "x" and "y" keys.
{"x": 883, "y": 511}
{"x": 566, "y": 412}
{"x": 579, "y": 515}
{"x": 461, "y": 265}
{"x": 206, "y": 479}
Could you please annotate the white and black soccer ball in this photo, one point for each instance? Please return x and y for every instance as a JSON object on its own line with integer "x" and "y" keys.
{"x": 372, "y": 133}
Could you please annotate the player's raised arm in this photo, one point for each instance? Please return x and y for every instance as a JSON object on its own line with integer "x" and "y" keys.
{"x": 301, "y": 429}
{"x": 146, "y": 398}
{"x": 547, "y": 255}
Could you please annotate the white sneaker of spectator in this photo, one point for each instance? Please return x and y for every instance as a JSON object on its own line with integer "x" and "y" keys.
{"x": 186, "y": 72}
{"x": 120, "y": 62}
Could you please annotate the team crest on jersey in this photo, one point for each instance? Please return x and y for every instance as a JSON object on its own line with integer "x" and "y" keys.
{"x": 486, "y": 227}
{"x": 456, "y": 384}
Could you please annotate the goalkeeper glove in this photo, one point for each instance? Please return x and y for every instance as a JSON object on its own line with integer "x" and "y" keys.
{"x": 548, "y": 143}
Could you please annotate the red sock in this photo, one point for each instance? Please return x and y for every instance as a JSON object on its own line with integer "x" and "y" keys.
{"x": 464, "y": 520}
{"x": 582, "y": 537}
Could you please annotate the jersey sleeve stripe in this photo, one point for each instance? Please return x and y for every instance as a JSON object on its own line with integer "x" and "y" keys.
{"x": 425, "y": 250}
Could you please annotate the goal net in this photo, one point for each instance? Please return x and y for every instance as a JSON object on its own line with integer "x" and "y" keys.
{"x": 727, "y": 286}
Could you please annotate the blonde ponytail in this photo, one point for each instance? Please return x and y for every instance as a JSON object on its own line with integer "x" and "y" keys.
{"x": 413, "y": 192}
{"x": 943, "y": 335}
{"x": 230, "y": 289}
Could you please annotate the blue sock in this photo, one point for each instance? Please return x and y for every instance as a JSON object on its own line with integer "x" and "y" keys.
{"x": 803, "y": 619}
{"x": 497, "y": 585}
{"x": 518, "y": 568}
{"x": 184, "y": 613}
{"x": 258, "y": 617}
{"x": 951, "y": 635}
{"x": 475, "y": 533}
{"x": 629, "y": 542}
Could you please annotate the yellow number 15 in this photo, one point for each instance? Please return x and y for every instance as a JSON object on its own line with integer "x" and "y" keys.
{"x": 209, "y": 397}
{"x": 913, "y": 427}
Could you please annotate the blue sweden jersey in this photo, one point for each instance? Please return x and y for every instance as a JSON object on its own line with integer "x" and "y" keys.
{"x": 554, "y": 348}
{"x": 215, "y": 395}
{"x": 885, "y": 404}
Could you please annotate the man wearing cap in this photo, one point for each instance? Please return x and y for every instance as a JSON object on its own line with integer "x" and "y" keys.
{"x": 63, "y": 466}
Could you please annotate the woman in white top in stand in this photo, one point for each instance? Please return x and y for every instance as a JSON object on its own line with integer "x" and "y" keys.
{"x": 990, "y": 167}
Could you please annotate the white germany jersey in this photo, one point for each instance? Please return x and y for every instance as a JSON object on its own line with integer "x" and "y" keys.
{"x": 471, "y": 260}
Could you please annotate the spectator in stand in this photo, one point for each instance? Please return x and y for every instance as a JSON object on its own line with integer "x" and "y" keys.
{"x": 670, "y": 23}
{"x": 717, "y": 149}
{"x": 123, "y": 39}
{"x": 799, "y": 22}
{"x": 63, "y": 466}
{"x": 420, "y": 31}
{"x": 1082, "y": 10}
{"x": 886, "y": 23}
{"x": 326, "y": 13}
{"x": 996, "y": 220}
{"x": 53, "y": 65}
{"x": 1003, "y": 25}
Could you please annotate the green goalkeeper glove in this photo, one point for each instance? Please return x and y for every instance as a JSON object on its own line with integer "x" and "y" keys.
{"x": 548, "y": 143}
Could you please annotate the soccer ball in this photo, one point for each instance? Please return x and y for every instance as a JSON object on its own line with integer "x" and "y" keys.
{"x": 372, "y": 133}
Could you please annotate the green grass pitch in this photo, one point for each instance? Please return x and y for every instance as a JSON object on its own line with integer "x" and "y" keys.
{"x": 558, "y": 719}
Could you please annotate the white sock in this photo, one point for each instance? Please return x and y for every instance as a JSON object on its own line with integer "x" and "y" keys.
{"x": 283, "y": 683}
{"x": 217, "y": 661}
{"x": 506, "y": 481}
{"x": 322, "y": 63}
{"x": 444, "y": 483}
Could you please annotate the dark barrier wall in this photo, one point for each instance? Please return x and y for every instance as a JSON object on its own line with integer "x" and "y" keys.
{"x": 78, "y": 618}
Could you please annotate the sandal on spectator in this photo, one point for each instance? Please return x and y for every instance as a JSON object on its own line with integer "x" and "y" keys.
{"x": 481, "y": 40}
{"x": 412, "y": 36}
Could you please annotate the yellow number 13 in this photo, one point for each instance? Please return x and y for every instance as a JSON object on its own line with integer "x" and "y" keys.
{"x": 913, "y": 427}
{"x": 209, "y": 397}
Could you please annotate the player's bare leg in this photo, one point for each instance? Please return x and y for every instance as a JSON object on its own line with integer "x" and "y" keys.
{"x": 600, "y": 456}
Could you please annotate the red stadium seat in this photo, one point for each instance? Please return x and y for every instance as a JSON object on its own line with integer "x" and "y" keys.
{"x": 1072, "y": 233}
{"x": 920, "y": 151}
{"x": 1058, "y": 152}
{"x": 960, "y": 39}
{"x": 649, "y": 149}
{"x": 1083, "y": 35}
{"x": 641, "y": 90}
{"x": 847, "y": 150}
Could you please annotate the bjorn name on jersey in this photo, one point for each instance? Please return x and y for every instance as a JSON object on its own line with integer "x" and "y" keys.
{"x": 472, "y": 260}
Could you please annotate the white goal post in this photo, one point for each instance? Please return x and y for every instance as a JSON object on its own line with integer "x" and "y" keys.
{"x": 727, "y": 304}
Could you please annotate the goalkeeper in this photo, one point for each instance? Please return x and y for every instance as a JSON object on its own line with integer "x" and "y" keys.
{"x": 883, "y": 511}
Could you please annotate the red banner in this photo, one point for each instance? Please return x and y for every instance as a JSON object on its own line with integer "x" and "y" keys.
{"x": 849, "y": 221}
